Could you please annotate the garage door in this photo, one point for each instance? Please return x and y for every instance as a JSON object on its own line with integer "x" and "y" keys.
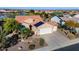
{"x": 45, "y": 31}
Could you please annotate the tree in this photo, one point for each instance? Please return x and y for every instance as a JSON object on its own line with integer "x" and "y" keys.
{"x": 70, "y": 23}
{"x": 44, "y": 15}
{"x": 2, "y": 39}
{"x": 26, "y": 32}
{"x": 72, "y": 15}
{"x": 42, "y": 41}
{"x": 32, "y": 46}
{"x": 10, "y": 25}
{"x": 10, "y": 41}
{"x": 31, "y": 12}
{"x": 57, "y": 14}
{"x": 77, "y": 24}
{"x": 12, "y": 14}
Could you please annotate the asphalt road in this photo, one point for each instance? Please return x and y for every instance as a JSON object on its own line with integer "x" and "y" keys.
{"x": 74, "y": 47}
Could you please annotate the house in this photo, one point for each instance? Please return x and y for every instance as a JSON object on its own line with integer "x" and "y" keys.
{"x": 56, "y": 19}
{"x": 76, "y": 17}
{"x": 67, "y": 16}
{"x": 38, "y": 25}
{"x": 28, "y": 20}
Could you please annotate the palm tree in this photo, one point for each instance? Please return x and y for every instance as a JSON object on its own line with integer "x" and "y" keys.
{"x": 10, "y": 25}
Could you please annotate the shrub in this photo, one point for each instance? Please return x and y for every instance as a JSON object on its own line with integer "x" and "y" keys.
{"x": 32, "y": 46}
{"x": 71, "y": 36}
{"x": 42, "y": 41}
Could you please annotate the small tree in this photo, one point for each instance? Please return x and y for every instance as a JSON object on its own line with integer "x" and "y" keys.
{"x": 70, "y": 23}
{"x": 42, "y": 41}
{"x": 77, "y": 24}
{"x": 25, "y": 32}
{"x": 32, "y": 46}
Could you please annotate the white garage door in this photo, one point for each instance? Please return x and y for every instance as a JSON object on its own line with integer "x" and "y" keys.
{"x": 45, "y": 31}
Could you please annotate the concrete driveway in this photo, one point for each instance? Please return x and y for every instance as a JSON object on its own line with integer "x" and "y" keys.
{"x": 56, "y": 40}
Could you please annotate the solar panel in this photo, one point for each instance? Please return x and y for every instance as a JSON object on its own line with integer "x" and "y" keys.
{"x": 38, "y": 24}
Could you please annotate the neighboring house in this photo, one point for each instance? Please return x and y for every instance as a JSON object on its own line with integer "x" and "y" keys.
{"x": 38, "y": 25}
{"x": 46, "y": 11}
{"x": 76, "y": 17}
{"x": 56, "y": 19}
{"x": 77, "y": 30}
{"x": 67, "y": 16}
{"x": 66, "y": 19}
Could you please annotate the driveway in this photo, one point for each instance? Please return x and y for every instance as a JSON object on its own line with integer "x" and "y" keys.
{"x": 56, "y": 40}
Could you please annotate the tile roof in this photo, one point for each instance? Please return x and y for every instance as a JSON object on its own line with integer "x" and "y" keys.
{"x": 29, "y": 19}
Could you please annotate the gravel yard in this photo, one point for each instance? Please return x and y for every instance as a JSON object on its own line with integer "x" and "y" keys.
{"x": 24, "y": 44}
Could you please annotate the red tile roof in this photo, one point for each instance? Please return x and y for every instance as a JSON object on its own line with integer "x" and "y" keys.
{"x": 22, "y": 19}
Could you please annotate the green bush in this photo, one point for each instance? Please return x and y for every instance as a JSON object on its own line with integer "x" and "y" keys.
{"x": 42, "y": 41}
{"x": 32, "y": 46}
